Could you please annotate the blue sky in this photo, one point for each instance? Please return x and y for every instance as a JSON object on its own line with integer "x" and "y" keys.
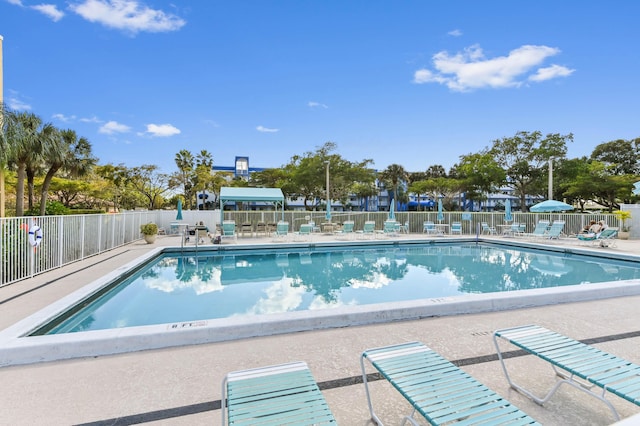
{"x": 415, "y": 83}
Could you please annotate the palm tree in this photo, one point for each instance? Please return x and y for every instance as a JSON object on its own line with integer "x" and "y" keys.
{"x": 67, "y": 152}
{"x": 46, "y": 135}
{"x": 7, "y": 119}
{"x": 203, "y": 177}
{"x": 23, "y": 134}
{"x": 184, "y": 161}
{"x": 394, "y": 174}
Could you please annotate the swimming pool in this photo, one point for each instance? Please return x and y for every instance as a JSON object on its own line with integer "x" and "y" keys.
{"x": 551, "y": 263}
{"x": 177, "y": 287}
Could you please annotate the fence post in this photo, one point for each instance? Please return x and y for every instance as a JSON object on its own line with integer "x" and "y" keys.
{"x": 60, "y": 240}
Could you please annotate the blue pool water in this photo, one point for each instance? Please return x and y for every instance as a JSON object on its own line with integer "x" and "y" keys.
{"x": 177, "y": 288}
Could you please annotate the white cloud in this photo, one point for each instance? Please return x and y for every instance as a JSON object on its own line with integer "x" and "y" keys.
{"x": 162, "y": 130}
{"x": 455, "y": 33}
{"x": 15, "y": 2}
{"x": 111, "y": 127}
{"x": 266, "y": 129}
{"x": 127, "y": 15}
{"x": 93, "y": 119}
{"x": 50, "y": 10}
{"x": 312, "y": 104}
{"x": 212, "y": 123}
{"x": 63, "y": 117}
{"x": 551, "y": 72}
{"x": 18, "y": 105}
{"x": 470, "y": 69}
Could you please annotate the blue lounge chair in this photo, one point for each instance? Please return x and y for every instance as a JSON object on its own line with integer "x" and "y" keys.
{"x": 456, "y": 228}
{"x": 282, "y": 230}
{"x": 368, "y": 229}
{"x": 584, "y": 367}
{"x": 489, "y": 230}
{"x": 429, "y": 227}
{"x": 304, "y": 233}
{"x": 606, "y": 238}
{"x": 539, "y": 230}
{"x": 274, "y": 395}
{"x": 404, "y": 228}
{"x": 553, "y": 232}
{"x": 228, "y": 230}
{"x": 437, "y": 389}
{"x": 347, "y": 229}
{"x": 391, "y": 228}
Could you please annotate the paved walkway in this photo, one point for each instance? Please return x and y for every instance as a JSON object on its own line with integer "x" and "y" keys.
{"x": 182, "y": 386}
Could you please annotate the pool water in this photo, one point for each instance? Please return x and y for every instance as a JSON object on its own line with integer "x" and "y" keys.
{"x": 177, "y": 288}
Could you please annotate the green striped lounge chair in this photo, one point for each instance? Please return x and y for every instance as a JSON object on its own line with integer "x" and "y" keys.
{"x": 437, "y": 389}
{"x": 285, "y": 394}
{"x": 577, "y": 364}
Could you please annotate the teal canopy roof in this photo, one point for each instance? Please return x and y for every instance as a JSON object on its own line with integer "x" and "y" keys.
{"x": 266, "y": 195}
{"x": 273, "y": 195}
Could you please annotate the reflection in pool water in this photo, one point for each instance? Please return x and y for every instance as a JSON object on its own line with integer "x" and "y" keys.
{"x": 177, "y": 288}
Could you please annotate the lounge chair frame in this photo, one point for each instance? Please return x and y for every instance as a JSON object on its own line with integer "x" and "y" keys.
{"x": 606, "y": 238}
{"x": 584, "y": 367}
{"x": 274, "y": 395}
{"x": 228, "y": 230}
{"x": 437, "y": 389}
{"x": 487, "y": 229}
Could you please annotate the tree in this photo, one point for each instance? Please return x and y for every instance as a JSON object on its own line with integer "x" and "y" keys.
{"x": 150, "y": 184}
{"x": 436, "y": 171}
{"x": 34, "y": 165}
{"x": 203, "y": 179}
{"x": 393, "y": 176}
{"x": 306, "y": 176}
{"x": 7, "y": 120}
{"x": 364, "y": 191}
{"x": 479, "y": 174}
{"x": 184, "y": 161}
{"x": 117, "y": 178}
{"x": 525, "y": 158}
{"x": 67, "y": 152}
{"x": 22, "y": 133}
{"x": 620, "y": 157}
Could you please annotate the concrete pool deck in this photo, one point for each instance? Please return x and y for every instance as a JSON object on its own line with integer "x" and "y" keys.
{"x": 182, "y": 386}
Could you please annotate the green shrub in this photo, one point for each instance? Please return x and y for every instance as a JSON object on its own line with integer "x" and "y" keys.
{"x": 149, "y": 229}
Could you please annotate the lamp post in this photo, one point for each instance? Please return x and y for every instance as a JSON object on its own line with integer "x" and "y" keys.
{"x": 550, "y": 193}
{"x": 327, "y": 163}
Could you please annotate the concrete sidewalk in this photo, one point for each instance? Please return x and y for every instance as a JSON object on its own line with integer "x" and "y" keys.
{"x": 182, "y": 386}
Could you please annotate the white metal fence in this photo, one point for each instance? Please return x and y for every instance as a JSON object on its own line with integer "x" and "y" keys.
{"x": 67, "y": 239}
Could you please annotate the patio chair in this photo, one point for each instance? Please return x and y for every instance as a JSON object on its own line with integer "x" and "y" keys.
{"x": 347, "y": 229}
{"x": 584, "y": 367}
{"x": 201, "y": 235}
{"x": 456, "y": 228}
{"x": 553, "y": 232}
{"x": 246, "y": 227}
{"x": 522, "y": 229}
{"x": 282, "y": 230}
{"x": 429, "y": 227}
{"x": 437, "y": 389}
{"x": 539, "y": 230}
{"x": 261, "y": 229}
{"x": 368, "y": 229}
{"x": 304, "y": 233}
{"x": 229, "y": 230}
{"x": 606, "y": 238}
{"x": 390, "y": 228}
{"x": 274, "y": 395}
{"x": 404, "y": 229}
{"x": 486, "y": 229}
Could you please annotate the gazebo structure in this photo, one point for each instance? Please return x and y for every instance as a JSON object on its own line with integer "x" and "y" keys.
{"x": 265, "y": 195}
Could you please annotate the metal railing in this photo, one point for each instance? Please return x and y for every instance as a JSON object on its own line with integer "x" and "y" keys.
{"x": 67, "y": 239}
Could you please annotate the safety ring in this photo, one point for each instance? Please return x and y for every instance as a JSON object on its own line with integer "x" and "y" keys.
{"x": 35, "y": 235}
